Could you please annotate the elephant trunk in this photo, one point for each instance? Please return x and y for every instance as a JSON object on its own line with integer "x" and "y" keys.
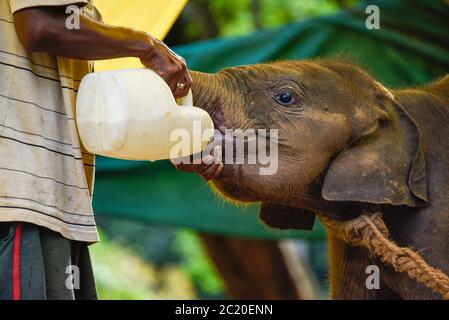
{"x": 208, "y": 91}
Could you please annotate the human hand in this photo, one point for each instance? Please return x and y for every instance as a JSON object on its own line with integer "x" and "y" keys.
{"x": 167, "y": 64}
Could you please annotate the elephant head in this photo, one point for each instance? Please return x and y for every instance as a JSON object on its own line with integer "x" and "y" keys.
{"x": 341, "y": 139}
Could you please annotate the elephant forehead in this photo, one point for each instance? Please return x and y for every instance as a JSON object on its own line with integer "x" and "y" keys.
{"x": 267, "y": 72}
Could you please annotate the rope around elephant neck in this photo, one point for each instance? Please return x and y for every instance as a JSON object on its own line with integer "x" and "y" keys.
{"x": 370, "y": 232}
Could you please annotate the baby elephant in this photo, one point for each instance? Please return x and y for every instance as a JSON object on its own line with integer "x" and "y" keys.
{"x": 344, "y": 145}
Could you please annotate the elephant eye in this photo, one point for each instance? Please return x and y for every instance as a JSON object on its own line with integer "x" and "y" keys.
{"x": 285, "y": 98}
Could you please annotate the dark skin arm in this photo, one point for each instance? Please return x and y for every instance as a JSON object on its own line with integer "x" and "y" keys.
{"x": 43, "y": 29}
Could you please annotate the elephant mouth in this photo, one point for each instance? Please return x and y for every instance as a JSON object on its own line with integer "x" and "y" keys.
{"x": 222, "y": 136}
{"x": 235, "y": 146}
{"x": 224, "y": 139}
{"x": 238, "y": 146}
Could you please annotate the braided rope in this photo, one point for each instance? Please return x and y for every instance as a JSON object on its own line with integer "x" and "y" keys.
{"x": 370, "y": 232}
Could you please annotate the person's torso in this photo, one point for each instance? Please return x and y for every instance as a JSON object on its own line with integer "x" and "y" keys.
{"x": 46, "y": 176}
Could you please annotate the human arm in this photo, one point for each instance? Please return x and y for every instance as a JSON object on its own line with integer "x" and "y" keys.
{"x": 43, "y": 29}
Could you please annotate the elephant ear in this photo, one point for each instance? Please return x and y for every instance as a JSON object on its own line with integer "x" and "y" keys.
{"x": 285, "y": 217}
{"x": 385, "y": 167}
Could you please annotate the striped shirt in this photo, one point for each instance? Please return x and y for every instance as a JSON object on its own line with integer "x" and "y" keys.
{"x": 46, "y": 176}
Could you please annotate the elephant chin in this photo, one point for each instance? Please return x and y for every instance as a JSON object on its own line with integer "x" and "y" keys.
{"x": 227, "y": 185}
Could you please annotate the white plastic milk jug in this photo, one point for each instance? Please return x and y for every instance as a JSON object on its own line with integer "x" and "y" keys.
{"x": 132, "y": 114}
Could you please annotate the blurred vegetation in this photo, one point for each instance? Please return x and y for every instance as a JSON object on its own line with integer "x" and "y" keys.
{"x": 121, "y": 273}
{"x": 135, "y": 261}
{"x": 206, "y": 19}
{"x": 167, "y": 263}
{"x": 196, "y": 265}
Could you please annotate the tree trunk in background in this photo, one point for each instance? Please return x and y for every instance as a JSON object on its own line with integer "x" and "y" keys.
{"x": 255, "y": 9}
{"x": 257, "y": 269}
{"x": 205, "y": 17}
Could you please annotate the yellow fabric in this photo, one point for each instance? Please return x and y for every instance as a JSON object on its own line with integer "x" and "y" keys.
{"x": 153, "y": 16}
